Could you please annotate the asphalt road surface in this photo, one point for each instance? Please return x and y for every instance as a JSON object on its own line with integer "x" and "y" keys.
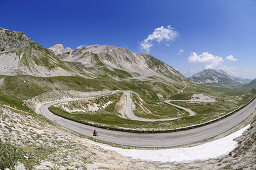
{"x": 154, "y": 140}
{"x": 130, "y": 114}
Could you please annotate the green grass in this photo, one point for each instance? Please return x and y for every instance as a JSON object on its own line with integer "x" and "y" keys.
{"x": 12, "y": 101}
{"x": 43, "y": 57}
{"x": 102, "y": 118}
{"x": 209, "y": 111}
{"x": 24, "y": 87}
{"x": 205, "y": 112}
{"x": 9, "y": 155}
{"x": 155, "y": 109}
{"x": 18, "y": 88}
{"x": 111, "y": 120}
{"x": 83, "y": 104}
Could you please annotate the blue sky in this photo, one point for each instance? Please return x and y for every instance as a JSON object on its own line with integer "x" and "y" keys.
{"x": 189, "y": 35}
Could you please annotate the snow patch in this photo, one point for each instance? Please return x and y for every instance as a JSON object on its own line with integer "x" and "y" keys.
{"x": 214, "y": 149}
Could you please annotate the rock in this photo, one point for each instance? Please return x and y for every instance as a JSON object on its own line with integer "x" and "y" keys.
{"x": 59, "y": 49}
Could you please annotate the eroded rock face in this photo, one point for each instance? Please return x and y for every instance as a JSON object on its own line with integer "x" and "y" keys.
{"x": 59, "y": 49}
{"x": 11, "y": 40}
{"x": 21, "y": 55}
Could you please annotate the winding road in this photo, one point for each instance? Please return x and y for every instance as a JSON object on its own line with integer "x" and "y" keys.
{"x": 153, "y": 140}
{"x": 130, "y": 114}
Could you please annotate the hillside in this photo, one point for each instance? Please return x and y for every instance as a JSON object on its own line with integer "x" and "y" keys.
{"x": 115, "y": 62}
{"x": 251, "y": 85}
{"x": 30, "y": 70}
{"x": 33, "y": 75}
{"x": 219, "y": 78}
{"x": 21, "y": 55}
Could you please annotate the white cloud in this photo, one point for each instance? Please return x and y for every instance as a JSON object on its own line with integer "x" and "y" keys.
{"x": 81, "y": 46}
{"x": 246, "y": 70}
{"x": 180, "y": 52}
{"x": 231, "y": 58}
{"x": 230, "y": 70}
{"x": 210, "y": 60}
{"x": 159, "y": 34}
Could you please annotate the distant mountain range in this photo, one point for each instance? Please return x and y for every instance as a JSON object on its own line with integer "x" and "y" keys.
{"x": 211, "y": 77}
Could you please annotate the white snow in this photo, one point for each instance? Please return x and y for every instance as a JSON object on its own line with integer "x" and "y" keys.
{"x": 214, "y": 149}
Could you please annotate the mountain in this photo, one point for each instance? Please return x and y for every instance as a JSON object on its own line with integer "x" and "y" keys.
{"x": 251, "y": 85}
{"x": 120, "y": 63}
{"x": 21, "y": 55}
{"x": 59, "y": 49}
{"x": 216, "y": 78}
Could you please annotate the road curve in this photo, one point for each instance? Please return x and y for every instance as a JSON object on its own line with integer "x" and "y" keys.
{"x": 154, "y": 140}
{"x": 132, "y": 116}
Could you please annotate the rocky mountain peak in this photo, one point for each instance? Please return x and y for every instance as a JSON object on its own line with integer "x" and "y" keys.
{"x": 59, "y": 49}
{"x": 12, "y": 40}
{"x": 215, "y": 77}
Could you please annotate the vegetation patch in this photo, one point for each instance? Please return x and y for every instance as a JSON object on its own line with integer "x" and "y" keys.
{"x": 9, "y": 155}
{"x": 158, "y": 109}
{"x": 12, "y": 101}
{"x": 205, "y": 113}
{"x": 92, "y": 106}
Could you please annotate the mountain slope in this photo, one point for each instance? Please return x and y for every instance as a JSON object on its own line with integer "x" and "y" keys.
{"x": 215, "y": 78}
{"x": 22, "y": 55}
{"x": 111, "y": 67}
{"x": 114, "y": 60}
{"x": 251, "y": 85}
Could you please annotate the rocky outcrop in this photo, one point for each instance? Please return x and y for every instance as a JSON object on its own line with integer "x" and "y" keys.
{"x": 59, "y": 49}
{"x": 244, "y": 156}
{"x": 22, "y": 55}
{"x": 11, "y": 40}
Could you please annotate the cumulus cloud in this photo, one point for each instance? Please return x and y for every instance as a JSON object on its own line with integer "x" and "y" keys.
{"x": 231, "y": 58}
{"x": 81, "y": 46}
{"x": 159, "y": 34}
{"x": 180, "y": 52}
{"x": 210, "y": 60}
{"x": 230, "y": 70}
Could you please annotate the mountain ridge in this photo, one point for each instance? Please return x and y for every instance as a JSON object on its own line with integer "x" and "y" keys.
{"x": 23, "y": 56}
{"x": 137, "y": 64}
{"x": 214, "y": 77}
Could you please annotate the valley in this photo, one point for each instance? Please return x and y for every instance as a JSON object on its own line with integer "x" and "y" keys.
{"x": 132, "y": 99}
